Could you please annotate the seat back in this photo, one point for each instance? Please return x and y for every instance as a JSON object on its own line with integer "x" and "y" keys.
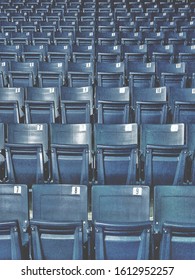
{"x": 174, "y": 219}
{"x": 150, "y": 105}
{"x": 120, "y": 218}
{"x": 52, "y": 74}
{"x": 172, "y": 74}
{"x": 76, "y": 104}
{"x": 22, "y": 74}
{"x": 140, "y": 74}
{"x": 41, "y": 105}
{"x": 164, "y": 153}
{"x": 182, "y": 104}
{"x": 14, "y": 221}
{"x": 70, "y": 153}
{"x": 27, "y": 153}
{"x": 116, "y": 153}
{"x": 110, "y": 74}
{"x": 80, "y": 74}
{"x": 34, "y": 53}
{"x": 11, "y": 105}
{"x": 112, "y": 105}
{"x": 59, "y": 232}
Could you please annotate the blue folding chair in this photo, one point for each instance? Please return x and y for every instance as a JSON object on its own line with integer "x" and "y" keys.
{"x": 157, "y": 52}
{"x": 8, "y": 53}
{"x": 42, "y": 105}
{"x": 80, "y": 74}
{"x": 106, "y": 53}
{"x": 70, "y": 153}
{"x": 22, "y": 74}
{"x": 182, "y": 104}
{"x": 83, "y": 53}
{"x": 34, "y": 53}
{"x": 121, "y": 226}
{"x": 190, "y": 132}
{"x": 14, "y": 222}
{"x": 134, "y": 53}
{"x": 4, "y": 68}
{"x": 11, "y": 105}
{"x": 130, "y": 37}
{"x": 2, "y": 153}
{"x": 113, "y": 105}
{"x": 174, "y": 221}
{"x": 59, "y": 232}
{"x": 76, "y": 104}
{"x": 110, "y": 74}
{"x": 116, "y": 153}
{"x": 171, "y": 74}
{"x": 150, "y": 105}
{"x": 52, "y": 74}
{"x": 26, "y": 152}
{"x": 140, "y": 74}
{"x": 59, "y": 53}
{"x": 107, "y": 38}
{"x": 85, "y": 38}
{"x": 164, "y": 152}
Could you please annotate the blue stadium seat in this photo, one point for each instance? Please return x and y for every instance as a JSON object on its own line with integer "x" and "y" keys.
{"x": 140, "y": 74}
{"x": 175, "y": 38}
{"x": 150, "y": 105}
{"x": 41, "y": 105}
{"x": 171, "y": 74}
{"x": 134, "y": 53}
{"x": 153, "y": 38}
{"x": 191, "y": 149}
{"x": 157, "y": 52}
{"x": 116, "y": 153}
{"x": 27, "y": 26}
{"x": 61, "y": 53}
{"x": 164, "y": 154}
{"x": 20, "y": 38}
{"x": 83, "y": 53}
{"x": 22, "y": 74}
{"x": 80, "y": 74}
{"x": 4, "y": 67}
{"x": 11, "y": 105}
{"x": 105, "y": 26}
{"x": 7, "y": 26}
{"x": 41, "y": 38}
{"x": 174, "y": 221}
{"x": 86, "y": 38}
{"x": 131, "y": 38}
{"x": 26, "y": 152}
{"x": 4, "y": 38}
{"x": 70, "y": 153}
{"x": 67, "y": 26}
{"x": 110, "y": 74}
{"x": 34, "y": 53}
{"x": 76, "y": 104}
{"x": 52, "y": 74}
{"x": 113, "y": 105}
{"x": 47, "y": 26}
{"x": 121, "y": 224}
{"x": 182, "y": 104}
{"x": 184, "y": 53}
{"x": 2, "y": 153}
{"x": 63, "y": 38}
{"x": 107, "y": 53}
{"x": 14, "y": 237}
{"x": 87, "y": 26}
{"x": 107, "y": 38}
{"x": 8, "y": 53}
{"x": 59, "y": 232}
